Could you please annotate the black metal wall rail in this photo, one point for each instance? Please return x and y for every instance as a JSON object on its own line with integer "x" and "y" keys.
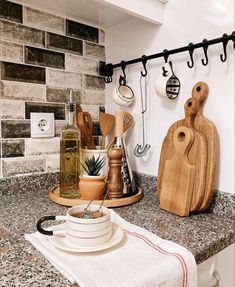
{"x": 107, "y": 70}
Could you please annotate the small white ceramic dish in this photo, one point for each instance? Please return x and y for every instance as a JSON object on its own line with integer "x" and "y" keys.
{"x": 60, "y": 242}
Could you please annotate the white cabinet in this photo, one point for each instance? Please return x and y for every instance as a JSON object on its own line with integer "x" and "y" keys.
{"x": 104, "y": 13}
{"x": 219, "y": 270}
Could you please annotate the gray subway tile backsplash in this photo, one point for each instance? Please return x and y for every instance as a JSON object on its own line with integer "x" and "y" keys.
{"x": 94, "y": 50}
{"x": 94, "y": 82}
{"x": 22, "y": 73}
{"x": 17, "y": 166}
{"x": 13, "y": 147}
{"x": 15, "y": 128}
{"x": 64, "y": 43}
{"x": 43, "y": 57}
{"x": 96, "y": 129}
{"x": 21, "y": 34}
{"x": 34, "y": 107}
{"x": 82, "y": 31}
{"x": 11, "y": 11}
{"x": 43, "y": 20}
{"x": 22, "y": 91}
{"x": 11, "y": 52}
{"x": 62, "y": 95}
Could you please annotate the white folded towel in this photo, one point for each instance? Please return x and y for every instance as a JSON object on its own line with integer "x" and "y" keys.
{"x": 141, "y": 260}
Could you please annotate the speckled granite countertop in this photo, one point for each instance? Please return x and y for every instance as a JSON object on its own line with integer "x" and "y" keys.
{"x": 21, "y": 264}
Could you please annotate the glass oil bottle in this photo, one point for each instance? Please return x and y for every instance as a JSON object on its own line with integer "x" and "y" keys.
{"x": 70, "y": 155}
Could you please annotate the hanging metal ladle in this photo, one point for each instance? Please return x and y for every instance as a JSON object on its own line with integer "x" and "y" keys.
{"x": 139, "y": 150}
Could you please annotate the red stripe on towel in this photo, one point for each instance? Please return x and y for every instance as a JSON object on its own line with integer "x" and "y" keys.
{"x": 158, "y": 248}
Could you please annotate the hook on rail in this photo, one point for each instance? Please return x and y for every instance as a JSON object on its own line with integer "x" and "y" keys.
{"x": 233, "y": 39}
{"x": 191, "y": 50}
{"x": 122, "y": 79}
{"x": 107, "y": 72}
{"x": 165, "y": 55}
{"x": 144, "y": 62}
{"x": 205, "y": 47}
{"x": 223, "y": 57}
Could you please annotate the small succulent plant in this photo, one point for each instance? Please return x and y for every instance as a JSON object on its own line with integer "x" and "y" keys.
{"x": 93, "y": 165}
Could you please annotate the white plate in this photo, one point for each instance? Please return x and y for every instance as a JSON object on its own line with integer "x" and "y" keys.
{"x": 62, "y": 243}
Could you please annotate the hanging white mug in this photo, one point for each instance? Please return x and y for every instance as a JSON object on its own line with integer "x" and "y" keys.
{"x": 167, "y": 84}
{"x": 123, "y": 95}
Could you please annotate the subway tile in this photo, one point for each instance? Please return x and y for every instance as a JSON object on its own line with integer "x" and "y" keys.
{"x": 62, "y": 95}
{"x": 44, "y": 57}
{"x": 101, "y": 109}
{"x": 22, "y": 91}
{"x": 74, "y": 63}
{"x": 101, "y": 68}
{"x": 82, "y": 31}
{"x": 11, "y": 11}
{"x": 53, "y": 162}
{"x": 17, "y": 166}
{"x": 96, "y": 129}
{"x": 21, "y": 34}
{"x": 34, "y": 107}
{"x": 91, "y": 97}
{"x": 93, "y": 110}
{"x": 13, "y": 147}
{"x": 12, "y": 109}
{"x": 62, "y": 79}
{"x": 63, "y": 43}
{"x": 15, "y": 128}
{"x": 94, "y": 50}
{"x": 101, "y": 37}
{"x": 58, "y": 127}
{"x": 97, "y": 140}
{"x": 22, "y": 73}
{"x": 42, "y": 146}
{"x": 43, "y": 20}
{"x": 11, "y": 52}
{"x": 94, "y": 82}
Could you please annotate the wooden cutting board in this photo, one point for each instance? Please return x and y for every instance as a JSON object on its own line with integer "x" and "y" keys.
{"x": 178, "y": 175}
{"x": 208, "y": 129}
{"x": 197, "y": 154}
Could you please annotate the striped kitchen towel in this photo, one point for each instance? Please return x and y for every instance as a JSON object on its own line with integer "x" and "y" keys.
{"x": 141, "y": 259}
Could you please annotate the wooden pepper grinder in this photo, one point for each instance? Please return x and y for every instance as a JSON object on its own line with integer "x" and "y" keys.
{"x": 115, "y": 185}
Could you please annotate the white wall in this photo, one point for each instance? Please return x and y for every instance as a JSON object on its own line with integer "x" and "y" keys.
{"x": 185, "y": 21}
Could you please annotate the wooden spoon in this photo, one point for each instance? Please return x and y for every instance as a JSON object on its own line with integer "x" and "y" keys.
{"x": 127, "y": 122}
{"x": 107, "y": 123}
{"x": 86, "y": 126}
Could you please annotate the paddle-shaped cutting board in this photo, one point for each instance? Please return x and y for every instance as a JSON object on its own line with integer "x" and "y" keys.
{"x": 178, "y": 175}
{"x": 197, "y": 154}
{"x": 208, "y": 129}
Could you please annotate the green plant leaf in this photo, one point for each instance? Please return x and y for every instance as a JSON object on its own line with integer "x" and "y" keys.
{"x": 93, "y": 165}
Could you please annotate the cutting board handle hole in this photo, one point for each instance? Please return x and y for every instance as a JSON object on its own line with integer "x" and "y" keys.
{"x": 198, "y": 89}
{"x": 181, "y": 136}
{"x": 190, "y": 104}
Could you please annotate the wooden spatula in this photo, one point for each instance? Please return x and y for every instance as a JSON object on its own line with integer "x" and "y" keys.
{"x": 86, "y": 126}
{"x": 127, "y": 122}
{"x": 107, "y": 123}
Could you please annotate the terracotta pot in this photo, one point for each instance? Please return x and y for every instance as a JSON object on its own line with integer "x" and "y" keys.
{"x": 92, "y": 187}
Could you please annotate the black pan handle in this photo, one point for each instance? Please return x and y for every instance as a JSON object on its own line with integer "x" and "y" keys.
{"x": 39, "y": 223}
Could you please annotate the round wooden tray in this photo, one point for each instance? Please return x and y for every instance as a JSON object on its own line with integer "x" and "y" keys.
{"x": 54, "y": 196}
